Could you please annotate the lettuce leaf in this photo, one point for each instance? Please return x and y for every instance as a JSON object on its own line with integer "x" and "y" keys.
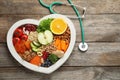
{"x": 44, "y": 25}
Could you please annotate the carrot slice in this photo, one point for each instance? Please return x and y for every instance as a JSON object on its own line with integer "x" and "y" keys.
{"x": 57, "y": 42}
{"x": 63, "y": 45}
{"x": 36, "y": 60}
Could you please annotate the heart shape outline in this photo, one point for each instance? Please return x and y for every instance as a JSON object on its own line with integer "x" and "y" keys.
{"x": 30, "y": 66}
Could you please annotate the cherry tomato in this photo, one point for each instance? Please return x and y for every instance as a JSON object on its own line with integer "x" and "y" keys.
{"x": 24, "y": 37}
{"x": 16, "y": 40}
{"x": 18, "y": 32}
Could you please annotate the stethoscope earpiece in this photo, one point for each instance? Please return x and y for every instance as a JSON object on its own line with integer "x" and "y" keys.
{"x": 83, "y": 47}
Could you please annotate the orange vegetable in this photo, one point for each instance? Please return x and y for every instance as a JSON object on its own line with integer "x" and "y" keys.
{"x": 61, "y": 44}
{"x": 36, "y": 60}
{"x": 67, "y": 44}
{"x": 27, "y": 44}
{"x": 57, "y": 42}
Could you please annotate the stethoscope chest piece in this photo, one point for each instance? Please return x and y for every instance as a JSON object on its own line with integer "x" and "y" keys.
{"x": 83, "y": 47}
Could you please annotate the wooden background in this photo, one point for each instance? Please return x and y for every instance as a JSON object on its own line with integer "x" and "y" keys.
{"x": 102, "y": 33}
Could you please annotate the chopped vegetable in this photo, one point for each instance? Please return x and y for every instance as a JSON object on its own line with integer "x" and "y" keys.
{"x": 61, "y": 44}
{"x": 53, "y": 58}
{"x": 24, "y": 37}
{"x": 44, "y": 25}
{"x": 16, "y": 40}
{"x": 27, "y": 44}
{"x": 38, "y": 45}
{"x": 36, "y": 60}
{"x": 20, "y": 47}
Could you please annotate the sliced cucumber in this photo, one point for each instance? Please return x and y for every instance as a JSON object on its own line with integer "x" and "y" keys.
{"x": 35, "y": 49}
{"x": 37, "y": 44}
{"x": 32, "y": 45}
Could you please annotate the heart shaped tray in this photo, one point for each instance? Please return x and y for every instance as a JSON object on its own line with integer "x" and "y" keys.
{"x": 27, "y": 64}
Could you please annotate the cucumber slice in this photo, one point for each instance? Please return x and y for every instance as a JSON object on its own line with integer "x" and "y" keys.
{"x": 32, "y": 45}
{"x": 37, "y": 44}
{"x": 35, "y": 49}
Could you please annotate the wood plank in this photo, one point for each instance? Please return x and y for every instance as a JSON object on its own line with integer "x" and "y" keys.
{"x": 63, "y": 73}
{"x": 98, "y": 54}
{"x": 97, "y": 27}
{"x": 33, "y": 7}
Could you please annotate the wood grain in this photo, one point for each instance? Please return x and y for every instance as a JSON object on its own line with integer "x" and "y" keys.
{"x": 98, "y": 54}
{"x": 97, "y": 27}
{"x": 63, "y": 73}
{"x": 33, "y": 7}
{"x": 102, "y": 32}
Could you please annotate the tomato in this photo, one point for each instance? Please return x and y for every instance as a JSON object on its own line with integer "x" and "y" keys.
{"x": 18, "y": 32}
{"x": 16, "y": 40}
{"x": 20, "y": 47}
{"x": 24, "y": 37}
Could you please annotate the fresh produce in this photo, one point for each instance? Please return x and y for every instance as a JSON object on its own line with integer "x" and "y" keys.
{"x": 42, "y": 45}
{"x": 58, "y": 26}
{"x": 24, "y": 37}
{"x": 45, "y": 55}
{"x": 61, "y": 44}
{"x": 16, "y": 40}
{"x": 45, "y": 37}
{"x": 27, "y": 44}
{"x": 47, "y": 63}
{"x": 53, "y": 58}
{"x": 36, "y": 60}
{"x": 44, "y": 25}
{"x": 18, "y": 32}
{"x": 34, "y": 47}
{"x": 37, "y": 44}
{"x": 30, "y": 27}
{"x": 20, "y": 47}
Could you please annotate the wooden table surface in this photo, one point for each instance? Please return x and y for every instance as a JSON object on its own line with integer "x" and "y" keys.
{"x": 102, "y": 33}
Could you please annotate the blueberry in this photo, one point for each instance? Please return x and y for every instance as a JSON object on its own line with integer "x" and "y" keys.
{"x": 47, "y": 63}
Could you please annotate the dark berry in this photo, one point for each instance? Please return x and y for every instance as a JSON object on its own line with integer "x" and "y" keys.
{"x": 47, "y": 63}
{"x": 45, "y": 55}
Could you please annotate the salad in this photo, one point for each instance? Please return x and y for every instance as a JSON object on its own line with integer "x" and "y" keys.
{"x": 43, "y": 44}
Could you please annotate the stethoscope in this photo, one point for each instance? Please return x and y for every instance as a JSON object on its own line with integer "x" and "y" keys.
{"x": 83, "y": 45}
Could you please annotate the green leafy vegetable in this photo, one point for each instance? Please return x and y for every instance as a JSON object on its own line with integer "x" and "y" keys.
{"x": 44, "y": 25}
{"x": 53, "y": 58}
